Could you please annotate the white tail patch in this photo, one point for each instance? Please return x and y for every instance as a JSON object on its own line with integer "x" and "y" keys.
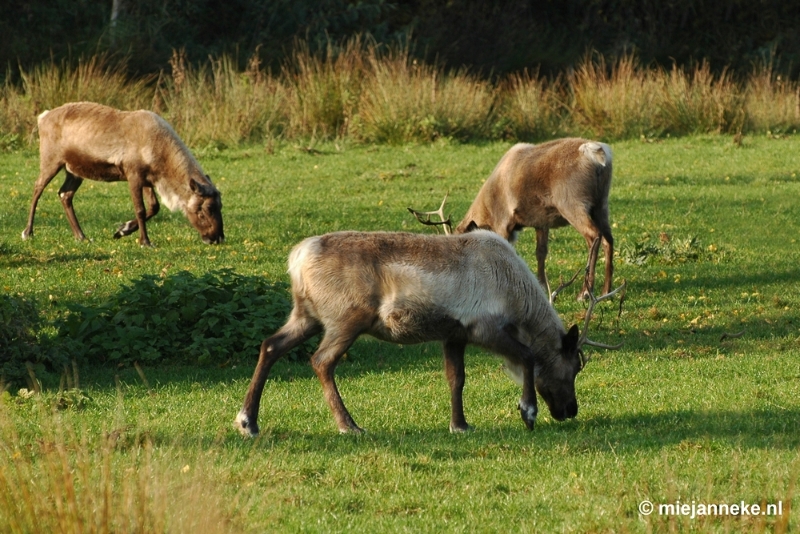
{"x": 600, "y": 153}
{"x": 297, "y": 258}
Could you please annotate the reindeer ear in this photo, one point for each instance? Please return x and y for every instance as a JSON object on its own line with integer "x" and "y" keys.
{"x": 570, "y": 340}
{"x": 471, "y": 227}
{"x": 200, "y": 189}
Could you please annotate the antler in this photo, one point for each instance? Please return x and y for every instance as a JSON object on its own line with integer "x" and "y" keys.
{"x": 584, "y": 340}
{"x": 563, "y": 285}
{"x": 593, "y": 301}
{"x": 444, "y": 223}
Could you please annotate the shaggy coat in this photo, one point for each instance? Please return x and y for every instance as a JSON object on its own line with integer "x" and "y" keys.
{"x": 411, "y": 288}
{"x": 96, "y": 142}
{"x": 558, "y": 183}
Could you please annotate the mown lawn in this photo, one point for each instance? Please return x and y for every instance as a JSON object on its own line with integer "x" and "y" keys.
{"x": 706, "y": 236}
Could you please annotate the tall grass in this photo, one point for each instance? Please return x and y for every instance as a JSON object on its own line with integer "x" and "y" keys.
{"x": 217, "y": 104}
{"x": 405, "y": 100}
{"x": 324, "y": 89}
{"x": 772, "y": 102}
{"x": 64, "y": 480}
{"x": 532, "y": 107}
{"x": 616, "y": 101}
{"x": 84, "y": 482}
{"x": 700, "y": 102}
{"x": 360, "y": 91}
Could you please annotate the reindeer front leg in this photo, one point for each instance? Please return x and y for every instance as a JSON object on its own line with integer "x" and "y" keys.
{"x": 528, "y": 407}
{"x": 67, "y": 191}
{"x": 542, "y": 239}
{"x": 136, "y": 184}
{"x": 454, "y": 370}
{"x": 500, "y": 337}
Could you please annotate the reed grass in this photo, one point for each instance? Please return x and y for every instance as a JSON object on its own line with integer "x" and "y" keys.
{"x": 772, "y": 102}
{"x": 615, "y": 101}
{"x": 217, "y": 104}
{"x": 405, "y": 100}
{"x": 361, "y": 91}
{"x": 324, "y": 89}
{"x": 70, "y": 481}
{"x": 532, "y": 107}
{"x": 699, "y": 102}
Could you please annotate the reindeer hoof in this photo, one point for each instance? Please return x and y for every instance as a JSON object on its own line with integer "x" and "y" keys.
{"x": 244, "y": 426}
{"x": 459, "y": 429}
{"x": 528, "y": 413}
{"x": 355, "y": 430}
{"x": 126, "y": 229}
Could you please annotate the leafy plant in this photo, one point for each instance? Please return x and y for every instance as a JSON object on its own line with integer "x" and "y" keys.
{"x": 210, "y": 318}
{"x": 667, "y": 250}
{"x": 20, "y": 346}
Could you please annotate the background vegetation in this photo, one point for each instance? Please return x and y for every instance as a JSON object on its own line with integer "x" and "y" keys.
{"x": 706, "y": 233}
{"x": 492, "y": 38}
{"x": 363, "y": 92}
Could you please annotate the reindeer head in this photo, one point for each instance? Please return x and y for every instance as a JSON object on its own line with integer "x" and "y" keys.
{"x": 555, "y": 382}
{"x": 204, "y": 211}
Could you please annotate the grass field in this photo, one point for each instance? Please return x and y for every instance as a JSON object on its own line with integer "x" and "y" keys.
{"x": 706, "y": 234}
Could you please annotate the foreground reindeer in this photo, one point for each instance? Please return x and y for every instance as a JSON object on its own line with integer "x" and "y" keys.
{"x": 545, "y": 186}
{"x": 100, "y": 143}
{"x": 411, "y": 288}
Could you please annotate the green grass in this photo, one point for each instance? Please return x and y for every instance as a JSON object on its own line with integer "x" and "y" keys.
{"x": 676, "y": 414}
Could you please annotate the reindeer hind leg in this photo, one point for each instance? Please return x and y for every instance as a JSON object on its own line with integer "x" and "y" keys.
{"x": 153, "y": 207}
{"x": 297, "y": 330}
{"x": 47, "y": 172}
{"x": 331, "y": 349}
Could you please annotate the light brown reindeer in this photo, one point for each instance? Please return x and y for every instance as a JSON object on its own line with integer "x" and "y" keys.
{"x": 553, "y": 184}
{"x": 97, "y": 142}
{"x": 412, "y": 288}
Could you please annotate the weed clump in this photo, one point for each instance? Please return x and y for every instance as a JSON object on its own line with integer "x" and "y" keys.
{"x": 213, "y": 318}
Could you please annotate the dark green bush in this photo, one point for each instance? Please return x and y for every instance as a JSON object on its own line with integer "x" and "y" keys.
{"x": 213, "y": 318}
{"x": 20, "y": 343}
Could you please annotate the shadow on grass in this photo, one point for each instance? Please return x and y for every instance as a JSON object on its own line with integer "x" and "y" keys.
{"x": 681, "y": 430}
{"x": 12, "y": 256}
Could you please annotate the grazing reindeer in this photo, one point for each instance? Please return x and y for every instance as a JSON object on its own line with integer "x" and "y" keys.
{"x": 412, "y": 288}
{"x": 545, "y": 186}
{"x": 101, "y": 143}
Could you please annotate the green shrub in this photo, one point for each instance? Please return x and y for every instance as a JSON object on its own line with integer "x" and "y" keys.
{"x": 207, "y": 319}
{"x": 20, "y": 346}
{"x": 664, "y": 249}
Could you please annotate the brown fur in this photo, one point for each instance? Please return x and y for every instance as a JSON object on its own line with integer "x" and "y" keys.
{"x": 96, "y": 142}
{"x": 545, "y": 186}
{"x": 411, "y": 288}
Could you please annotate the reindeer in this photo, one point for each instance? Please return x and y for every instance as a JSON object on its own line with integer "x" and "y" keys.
{"x": 546, "y": 186}
{"x": 411, "y": 288}
{"x": 96, "y": 142}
